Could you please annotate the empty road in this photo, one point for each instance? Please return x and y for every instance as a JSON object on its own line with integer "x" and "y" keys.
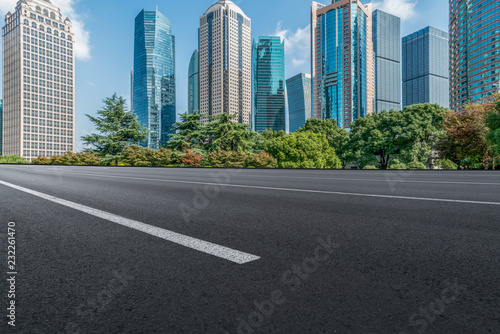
{"x": 152, "y": 250}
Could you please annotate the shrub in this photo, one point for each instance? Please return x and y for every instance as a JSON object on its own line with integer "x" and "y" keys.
{"x": 262, "y": 160}
{"x": 416, "y": 165}
{"x": 41, "y": 161}
{"x": 162, "y": 157}
{"x": 135, "y": 155}
{"x": 396, "y": 164}
{"x": 192, "y": 159}
{"x": 228, "y": 159}
{"x": 370, "y": 167}
{"x": 12, "y": 159}
{"x": 446, "y": 164}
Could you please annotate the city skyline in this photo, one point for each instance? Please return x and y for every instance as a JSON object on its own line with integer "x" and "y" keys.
{"x": 107, "y": 60}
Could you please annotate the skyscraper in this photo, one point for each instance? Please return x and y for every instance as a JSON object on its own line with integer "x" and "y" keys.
{"x": 269, "y": 84}
{"x": 194, "y": 83}
{"x": 225, "y": 44}
{"x": 425, "y": 68}
{"x": 474, "y": 50}
{"x": 387, "y": 49}
{"x": 154, "y": 76}
{"x": 38, "y": 81}
{"x": 342, "y": 61}
{"x": 298, "y": 91}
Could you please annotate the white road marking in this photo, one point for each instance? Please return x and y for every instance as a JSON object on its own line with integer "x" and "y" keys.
{"x": 180, "y": 239}
{"x": 293, "y": 190}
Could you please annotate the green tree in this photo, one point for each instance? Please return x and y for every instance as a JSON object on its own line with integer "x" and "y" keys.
{"x": 493, "y": 123}
{"x": 117, "y": 128}
{"x": 303, "y": 150}
{"x": 224, "y": 134}
{"x": 337, "y": 138}
{"x": 189, "y": 133}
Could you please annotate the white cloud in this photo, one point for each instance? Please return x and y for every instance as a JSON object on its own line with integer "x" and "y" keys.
{"x": 297, "y": 46}
{"x": 82, "y": 36}
{"x": 405, "y": 9}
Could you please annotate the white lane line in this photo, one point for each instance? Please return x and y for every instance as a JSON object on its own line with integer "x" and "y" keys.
{"x": 292, "y": 189}
{"x": 180, "y": 239}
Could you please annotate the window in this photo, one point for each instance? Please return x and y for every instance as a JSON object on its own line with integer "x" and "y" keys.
{"x": 33, "y": 25}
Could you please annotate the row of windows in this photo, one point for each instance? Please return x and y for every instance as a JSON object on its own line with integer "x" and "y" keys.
{"x": 48, "y": 29}
{"x": 44, "y": 130}
{"x": 43, "y": 106}
{"x": 47, "y": 140}
{"x": 35, "y": 154}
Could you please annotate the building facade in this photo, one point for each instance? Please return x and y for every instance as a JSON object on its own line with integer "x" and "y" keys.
{"x": 194, "y": 83}
{"x": 38, "y": 81}
{"x": 154, "y": 76}
{"x": 299, "y": 94}
{"x": 342, "y": 61}
{"x": 425, "y": 68}
{"x": 474, "y": 50}
{"x": 387, "y": 49}
{"x": 269, "y": 84}
{"x": 225, "y": 46}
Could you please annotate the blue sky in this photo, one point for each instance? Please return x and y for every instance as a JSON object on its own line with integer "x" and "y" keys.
{"x": 105, "y": 46}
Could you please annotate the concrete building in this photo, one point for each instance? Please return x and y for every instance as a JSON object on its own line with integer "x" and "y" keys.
{"x": 474, "y": 50}
{"x": 299, "y": 94}
{"x": 425, "y": 68}
{"x": 194, "y": 83}
{"x": 1, "y": 129}
{"x": 225, "y": 45}
{"x": 387, "y": 49}
{"x": 154, "y": 76}
{"x": 38, "y": 81}
{"x": 342, "y": 61}
{"x": 269, "y": 84}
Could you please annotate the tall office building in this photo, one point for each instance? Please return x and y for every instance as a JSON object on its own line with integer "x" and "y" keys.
{"x": 154, "y": 76}
{"x": 1, "y": 129}
{"x": 387, "y": 49}
{"x": 299, "y": 94}
{"x": 194, "y": 83}
{"x": 269, "y": 84}
{"x": 225, "y": 44}
{"x": 38, "y": 81}
{"x": 425, "y": 68}
{"x": 342, "y": 61}
{"x": 474, "y": 50}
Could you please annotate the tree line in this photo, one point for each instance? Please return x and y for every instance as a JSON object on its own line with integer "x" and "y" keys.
{"x": 418, "y": 137}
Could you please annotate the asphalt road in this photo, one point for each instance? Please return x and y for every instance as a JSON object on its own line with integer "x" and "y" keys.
{"x": 123, "y": 250}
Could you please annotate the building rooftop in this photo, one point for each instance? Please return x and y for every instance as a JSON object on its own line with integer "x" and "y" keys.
{"x": 226, "y": 4}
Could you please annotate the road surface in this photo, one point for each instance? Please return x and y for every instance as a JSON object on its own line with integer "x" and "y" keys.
{"x": 146, "y": 250}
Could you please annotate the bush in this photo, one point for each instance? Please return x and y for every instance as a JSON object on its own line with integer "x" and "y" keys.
{"x": 416, "y": 165}
{"x": 227, "y": 159}
{"x": 162, "y": 157}
{"x": 396, "y": 164}
{"x": 446, "y": 164}
{"x": 41, "y": 161}
{"x": 262, "y": 160}
{"x": 12, "y": 159}
{"x": 134, "y": 155}
{"x": 370, "y": 167}
{"x": 192, "y": 159}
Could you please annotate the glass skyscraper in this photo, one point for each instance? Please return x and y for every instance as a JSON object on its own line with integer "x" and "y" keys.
{"x": 269, "y": 84}
{"x": 425, "y": 68}
{"x": 299, "y": 94}
{"x": 387, "y": 49}
{"x": 342, "y": 61}
{"x": 194, "y": 83}
{"x": 225, "y": 44}
{"x": 154, "y": 76}
{"x": 474, "y": 50}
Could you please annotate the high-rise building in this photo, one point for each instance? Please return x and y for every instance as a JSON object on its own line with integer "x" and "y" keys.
{"x": 474, "y": 50}
{"x": 1, "y": 130}
{"x": 225, "y": 44}
{"x": 154, "y": 76}
{"x": 425, "y": 68}
{"x": 194, "y": 83}
{"x": 387, "y": 49}
{"x": 269, "y": 84}
{"x": 342, "y": 61}
{"x": 38, "y": 81}
{"x": 299, "y": 94}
